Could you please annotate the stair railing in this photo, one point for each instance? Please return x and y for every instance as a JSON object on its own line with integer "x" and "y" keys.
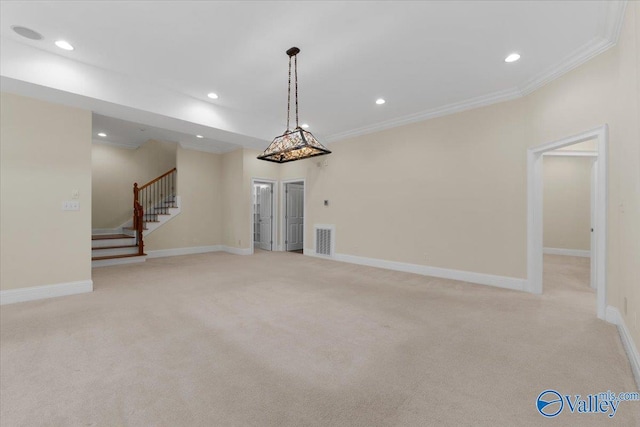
{"x": 152, "y": 199}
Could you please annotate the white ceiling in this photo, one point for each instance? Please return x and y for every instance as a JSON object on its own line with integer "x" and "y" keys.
{"x": 132, "y": 135}
{"x": 153, "y": 62}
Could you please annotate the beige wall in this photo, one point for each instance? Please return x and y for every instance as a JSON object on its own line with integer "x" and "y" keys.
{"x": 451, "y": 192}
{"x": 606, "y": 90}
{"x": 567, "y": 202}
{"x": 200, "y": 190}
{"x": 115, "y": 169}
{"x": 235, "y": 202}
{"x": 448, "y": 192}
{"x": 45, "y": 154}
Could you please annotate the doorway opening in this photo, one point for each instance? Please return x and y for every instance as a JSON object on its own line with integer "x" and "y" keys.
{"x": 262, "y": 223}
{"x": 569, "y": 181}
{"x": 293, "y": 218}
{"x": 535, "y": 189}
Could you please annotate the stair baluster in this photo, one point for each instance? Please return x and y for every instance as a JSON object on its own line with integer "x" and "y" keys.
{"x": 152, "y": 199}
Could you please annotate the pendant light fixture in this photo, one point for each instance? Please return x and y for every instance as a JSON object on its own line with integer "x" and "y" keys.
{"x": 296, "y": 144}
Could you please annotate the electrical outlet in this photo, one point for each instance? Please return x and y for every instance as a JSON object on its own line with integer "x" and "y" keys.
{"x": 70, "y": 205}
{"x": 75, "y": 194}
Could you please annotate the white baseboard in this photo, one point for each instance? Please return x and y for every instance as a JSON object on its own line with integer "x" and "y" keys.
{"x": 237, "y": 251}
{"x": 183, "y": 251}
{"x": 161, "y": 253}
{"x": 32, "y": 293}
{"x": 444, "y": 273}
{"x": 117, "y": 261}
{"x": 613, "y": 316}
{"x": 567, "y": 252}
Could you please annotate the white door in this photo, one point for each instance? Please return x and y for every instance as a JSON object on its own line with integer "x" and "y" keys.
{"x": 294, "y": 216}
{"x": 594, "y": 185}
{"x": 265, "y": 216}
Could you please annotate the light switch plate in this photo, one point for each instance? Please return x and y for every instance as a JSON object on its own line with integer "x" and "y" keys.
{"x": 71, "y": 205}
{"x": 75, "y": 194}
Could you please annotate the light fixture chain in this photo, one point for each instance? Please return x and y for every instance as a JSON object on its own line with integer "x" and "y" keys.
{"x": 289, "y": 96}
{"x": 295, "y": 59}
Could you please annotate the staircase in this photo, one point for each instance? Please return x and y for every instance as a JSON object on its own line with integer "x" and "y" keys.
{"x": 154, "y": 203}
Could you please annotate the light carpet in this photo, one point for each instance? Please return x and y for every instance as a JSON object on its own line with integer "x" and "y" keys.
{"x": 279, "y": 339}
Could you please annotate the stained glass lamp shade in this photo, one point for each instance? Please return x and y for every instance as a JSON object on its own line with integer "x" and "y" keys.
{"x": 294, "y": 144}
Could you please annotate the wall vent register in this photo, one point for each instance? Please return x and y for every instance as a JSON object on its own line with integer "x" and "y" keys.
{"x": 324, "y": 242}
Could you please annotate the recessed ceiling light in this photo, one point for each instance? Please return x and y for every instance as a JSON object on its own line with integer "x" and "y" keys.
{"x": 64, "y": 45}
{"x": 27, "y": 32}
{"x": 304, "y": 125}
{"x": 212, "y": 95}
{"x": 380, "y": 101}
{"x": 199, "y": 136}
{"x": 512, "y": 57}
{"x": 102, "y": 134}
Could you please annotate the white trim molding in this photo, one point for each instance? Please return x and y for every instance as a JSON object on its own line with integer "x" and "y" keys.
{"x": 161, "y": 253}
{"x": 97, "y": 263}
{"x": 578, "y": 57}
{"x": 445, "y": 110}
{"x": 33, "y": 293}
{"x": 614, "y": 19}
{"x": 237, "y": 251}
{"x": 571, "y": 153}
{"x": 504, "y": 282}
{"x": 116, "y": 144}
{"x": 206, "y": 146}
{"x": 567, "y": 252}
{"x": 96, "y": 231}
{"x": 535, "y": 208}
{"x": 614, "y": 316}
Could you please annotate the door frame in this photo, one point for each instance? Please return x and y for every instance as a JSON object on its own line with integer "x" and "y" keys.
{"x": 283, "y": 210}
{"x": 592, "y": 220}
{"x": 535, "y": 209}
{"x": 274, "y": 207}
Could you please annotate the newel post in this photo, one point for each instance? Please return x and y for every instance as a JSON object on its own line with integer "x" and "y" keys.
{"x": 138, "y": 218}
{"x": 136, "y": 201}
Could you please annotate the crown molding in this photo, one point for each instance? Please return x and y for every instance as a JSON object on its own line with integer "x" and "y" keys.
{"x": 115, "y": 144}
{"x": 581, "y": 55}
{"x": 204, "y": 146}
{"x": 614, "y": 18}
{"x": 457, "y": 107}
{"x": 607, "y": 37}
